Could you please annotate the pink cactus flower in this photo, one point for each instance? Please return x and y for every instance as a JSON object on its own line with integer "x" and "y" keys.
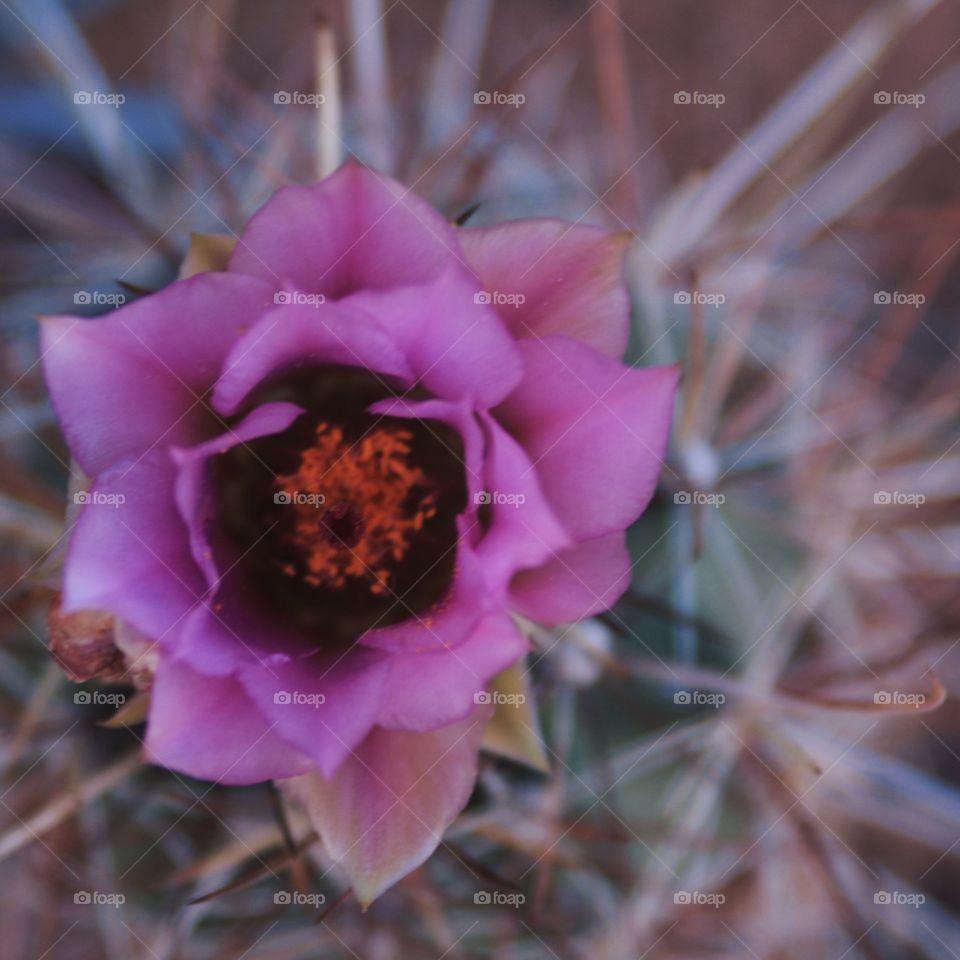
{"x": 324, "y": 479}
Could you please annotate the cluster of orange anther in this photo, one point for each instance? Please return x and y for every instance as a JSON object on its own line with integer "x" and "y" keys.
{"x": 373, "y": 479}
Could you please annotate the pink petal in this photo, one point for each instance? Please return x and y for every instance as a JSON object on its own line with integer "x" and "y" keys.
{"x": 429, "y": 689}
{"x": 456, "y": 347}
{"x": 134, "y": 558}
{"x": 523, "y": 533}
{"x": 460, "y": 416}
{"x": 595, "y": 429}
{"x": 208, "y": 728}
{"x": 570, "y": 274}
{"x": 323, "y": 705}
{"x": 129, "y": 381}
{"x": 387, "y": 808}
{"x": 195, "y": 490}
{"x": 519, "y": 535}
{"x": 451, "y": 620}
{"x": 289, "y": 336}
{"x": 229, "y": 631}
{"x": 578, "y": 583}
{"x": 354, "y": 230}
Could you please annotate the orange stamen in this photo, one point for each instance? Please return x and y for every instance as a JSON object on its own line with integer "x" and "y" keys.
{"x": 369, "y": 481}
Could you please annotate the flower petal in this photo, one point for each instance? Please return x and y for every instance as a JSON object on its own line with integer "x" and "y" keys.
{"x": 194, "y": 487}
{"x": 323, "y": 705}
{"x": 387, "y": 808}
{"x": 207, "y": 727}
{"x": 452, "y": 619}
{"x": 460, "y": 416}
{"x": 456, "y": 346}
{"x": 132, "y": 555}
{"x": 520, "y": 534}
{"x": 354, "y": 230}
{"x": 524, "y": 530}
{"x": 595, "y": 429}
{"x": 431, "y": 688}
{"x": 125, "y": 383}
{"x": 297, "y": 335}
{"x": 229, "y": 631}
{"x": 577, "y": 583}
{"x": 571, "y": 276}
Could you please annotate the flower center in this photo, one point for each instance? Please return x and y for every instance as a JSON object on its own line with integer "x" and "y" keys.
{"x": 347, "y": 520}
{"x": 358, "y": 506}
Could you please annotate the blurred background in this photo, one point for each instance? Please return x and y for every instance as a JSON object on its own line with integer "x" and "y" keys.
{"x": 757, "y": 753}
